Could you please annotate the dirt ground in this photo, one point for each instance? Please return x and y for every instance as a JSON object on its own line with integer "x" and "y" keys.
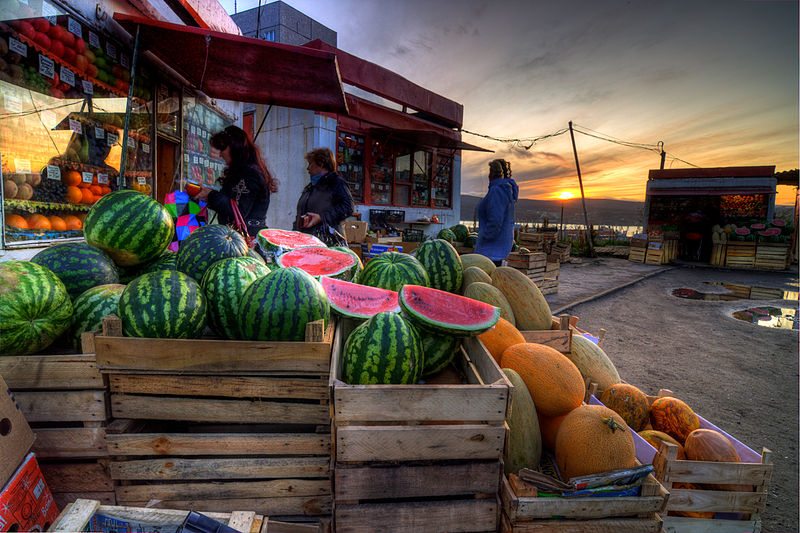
{"x": 740, "y": 376}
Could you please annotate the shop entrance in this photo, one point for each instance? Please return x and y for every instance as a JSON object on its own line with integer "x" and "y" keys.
{"x": 168, "y": 168}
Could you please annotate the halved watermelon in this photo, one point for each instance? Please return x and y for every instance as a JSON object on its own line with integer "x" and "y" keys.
{"x": 358, "y": 301}
{"x": 444, "y": 312}
{"x": 278, "y": 241}
{"x": 319, "y": 261}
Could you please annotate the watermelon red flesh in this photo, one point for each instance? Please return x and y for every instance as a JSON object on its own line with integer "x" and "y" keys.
{"x": 272, "y": 239}
{"x": 446, "y": 312}
{"x": 318, "y": 261}
{"x": 359, "y": 301}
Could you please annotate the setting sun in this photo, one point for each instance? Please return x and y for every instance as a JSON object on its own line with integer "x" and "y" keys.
{"x": 565, "y": 195}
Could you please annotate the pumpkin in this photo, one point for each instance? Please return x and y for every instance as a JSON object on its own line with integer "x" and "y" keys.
{"x": 655, "y": 438}
{"x": 593, "y": 362}
{"x": 555, "y": 384}
{"x": 593, "y": 439}
{"x": 499, "y": 337}
{"x": 628, "y": 402}
{"x": 710, "y": 445}
{"x": 673, "y": 417}
{"x": 524, "y": 442}
{"x": 690, "y": 514}
{"x": 549, "y": 425}
{"x": 531, "y": 310}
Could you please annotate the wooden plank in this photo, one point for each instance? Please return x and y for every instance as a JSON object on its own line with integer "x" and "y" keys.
{"x": 69, "y": 443}
{"x": 76, "y": 516}
{"x": 279, "y": 488}
{"x": 603, "y": 525}
{"x": 585, "y": 508}
{"x": 51, "y": 372}
{"x": 286, "y": 506}
{"x": 219, "y": 444}
{"x": 681, "y": 524}
{"x": 63, "y": 406}
{"x": 410, "y": 443}
{"x": 716, "y": 500}
{"x": 415, "y": 481}
{"x": 76, "y": 477}
{"x": 718, "y": 473}
{"x": 175, "y": 468}
{"x": 418, "y": 517}
{"x": 272, "y": 526}
{"x": 556, "y": 339}
{"x": 242, "y": 520}
{"x": 487, "y": 367}
{"x": 207, "y": 410}
{"x": 65, "y": 498}
{"x": 223, "y": 386}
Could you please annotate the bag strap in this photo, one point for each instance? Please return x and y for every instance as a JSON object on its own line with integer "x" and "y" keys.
{"x": 240, "y": 225}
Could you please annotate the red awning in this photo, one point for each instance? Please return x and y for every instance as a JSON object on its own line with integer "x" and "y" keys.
{"x": 243, "y": 69}
{"x": 430, "y": 139}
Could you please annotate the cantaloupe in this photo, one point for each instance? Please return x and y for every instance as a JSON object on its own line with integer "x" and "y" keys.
{"x": 478, "y": 260}
{"x": 674, "y": 417}
{"x": 628, "y": 402}
{"x": 593, "y": 362}
{"x": 500, "y": 337}
{"x": 531, "y": 310}
{"x": 486, "y": 293}
{"x": 473, "y": 274}
{"x": 548, "y": 425}
{"x": 524, "y": 443}
{"x": 555, "y": 384}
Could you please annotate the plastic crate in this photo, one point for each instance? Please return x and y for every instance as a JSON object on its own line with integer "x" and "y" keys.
{"x": 413, "y": 235}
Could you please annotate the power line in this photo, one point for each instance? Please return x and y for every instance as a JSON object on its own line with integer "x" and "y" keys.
{"x": 526, "y": 143}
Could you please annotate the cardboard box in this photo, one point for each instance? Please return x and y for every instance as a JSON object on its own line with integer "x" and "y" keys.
{"x": 16, "y": 437}
{"x": 26, "y": 503}
{"x": 355, "y": 230}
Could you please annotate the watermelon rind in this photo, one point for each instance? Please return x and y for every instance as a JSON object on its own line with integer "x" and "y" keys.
{"x": 393, "y": 270}
{"x": 440, "y": 351}
{"x": 357, "y": 268}
{"x": 92, "y": 306}
{"x": 442, "y": 263}
{"x": 224, "y": 284}
{"x": 206, "y": 246}
{"x": 278, "y": 241}
{"x": 166, "y": 261}
{"x": 319, "y": 261}
{"x": 357, "y": 301}
{"x": 420, "y": 302}
{"x": 78, "y": 265}
{"x": 35, "y": 308}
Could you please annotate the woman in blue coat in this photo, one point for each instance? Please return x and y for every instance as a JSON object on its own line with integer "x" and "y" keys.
{"x": 496, "y": 213}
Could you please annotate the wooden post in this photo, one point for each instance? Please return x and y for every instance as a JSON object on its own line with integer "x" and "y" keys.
{"x": 583, "y": 197}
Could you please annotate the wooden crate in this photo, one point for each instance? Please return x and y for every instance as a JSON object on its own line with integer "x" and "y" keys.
{"x": 637, "y": 255}
{"x": 718, "y": 254}
{"x": 772, "y": 256}
{"x": 420, "y": 458}
{"x": 740, "y": 254}
{"x": 766, "y": 293}
{"x": 526, "y": 261}
{"x": 559, "y": 337}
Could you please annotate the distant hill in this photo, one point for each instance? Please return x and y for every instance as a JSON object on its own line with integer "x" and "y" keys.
{"x": 601, "y": 212}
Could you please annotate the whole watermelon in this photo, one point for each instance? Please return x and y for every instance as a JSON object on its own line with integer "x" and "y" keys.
{"x": 35, "y": 308}
{"x": 278, "y": 306}
{"x": 255, "y": 255}
{"x": 461, "y": 232}
{"x": 439, "y": 350}
{"x": 206, "y": 246}
{"x": 129, "y": 226}
{"x": 442, "y": 263}
{"x": 392, "y": 270}
{"x": 446, "y": 235}
{"x": 165, "y": 305}
{"x": 92, "y": 306}
{"x": 224, "y": 285}
{"x": 384, "y": 350}
{"x": 78, "y": 265}
{"x": 166, "y": 261}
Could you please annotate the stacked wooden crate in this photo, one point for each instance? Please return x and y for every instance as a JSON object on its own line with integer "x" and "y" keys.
{"x": 220, "y": 425}
{"x": 772, "y": 256}
{"x": 536, "y": 241}
{"x": 542, "y": 269}
{"x": 740, "y": 254}
{"x": 562, "y": 251}
{"x": 661, "y": 251}
{"x": 638, "y": 250}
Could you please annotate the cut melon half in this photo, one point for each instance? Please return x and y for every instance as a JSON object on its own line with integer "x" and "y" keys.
{"x": 278, "y": 241}
{"x": 319, "y": 261}
{"x": 445, "y": 312}
{"x": 359, "y": 301}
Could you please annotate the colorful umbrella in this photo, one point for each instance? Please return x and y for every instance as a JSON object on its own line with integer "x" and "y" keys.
{"x": 187, "y": 214}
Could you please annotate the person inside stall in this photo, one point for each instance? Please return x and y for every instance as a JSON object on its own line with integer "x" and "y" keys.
{"x": 326, "y": 201}
{"x": 496, "y": 213}
{"x": 246, "y": 181}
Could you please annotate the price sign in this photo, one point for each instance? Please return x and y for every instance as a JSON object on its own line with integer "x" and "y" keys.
{"x": 194, "y": 159}
{"x": 94, "y": 40}
{"x": 67, "y": 76}
{"x": 111, "y": 50}
{"x": 17, "y": 47}
{"x": 131, "y": 142}
{"x": 76, "y": 126}
{"x": 87, "y": 177}
{"x": 12, "y": 104}
{"x": 88, "y": 87}
{"x": 123, "y": 60}
{"x": 102, "y": 178}
{"x": 47, "y": 66}
{"x": 74, "y": 27}
{"x": 145, "y": 148}
{"x": 22, "y": 166}
{"x": 141, "y": 180}
{"x": 99, "y": 133}
{"x": 112, "y": 138}
{"x": 53, "y": 172}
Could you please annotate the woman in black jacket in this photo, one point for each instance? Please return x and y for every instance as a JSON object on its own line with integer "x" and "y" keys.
{"x": 246, "y": 180}
{"x": 326, "y": 201}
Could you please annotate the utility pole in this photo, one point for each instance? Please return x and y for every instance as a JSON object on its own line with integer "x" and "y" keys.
{"x": 663, "y": 153}
{"x": 583, "y": 197}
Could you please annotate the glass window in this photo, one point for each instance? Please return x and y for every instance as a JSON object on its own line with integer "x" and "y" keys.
{"x": 140, "y": 148}
{"x": 422, "y": 175}
{"x": 381, "y": 173}
{"x": 200, "y": 122}
{"x": 402, "y": 180}
{"x": 350, "y": 162}
{"x": 442, "y": 185}
{"x": 168, "y": 118}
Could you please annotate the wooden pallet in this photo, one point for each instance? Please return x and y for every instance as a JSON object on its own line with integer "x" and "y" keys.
{"x": 772, "y": 256}
{"x": 420, "y": 458}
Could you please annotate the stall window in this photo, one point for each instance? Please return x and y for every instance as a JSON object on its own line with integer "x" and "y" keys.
{"x": 201, "y": 166}
{"x": 402, "y": 179}
{"x": 350, "y": 162}
{"x": 442, "y": 186}
{"x": 381, "y": 173}
{"x": 421, "y": 193}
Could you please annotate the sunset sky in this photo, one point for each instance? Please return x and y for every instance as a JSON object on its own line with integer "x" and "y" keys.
{"x": 715, "y": 80}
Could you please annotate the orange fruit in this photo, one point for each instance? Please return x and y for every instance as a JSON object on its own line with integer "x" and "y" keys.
{"x": 73, "y": 222}
{"x": 57, "y": 223}
{"x": 96, "y": 190}
{"x": 33, "y": 219}
{"x": 16, "y": 221}
{"x": 106, "y": 189}
{"x": 74, "y": 195}
{"x": 87, "y": 197}
{"x": 42, "y": 223}
{"x": 71, "y": 178}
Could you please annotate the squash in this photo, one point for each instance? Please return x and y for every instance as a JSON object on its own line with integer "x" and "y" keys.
{"x": 655, "y": 438}
{"x": 524, "y": 442}
{"x": 531, "y": 310}
{"x": 555, "y": 384}
{"x": 548, "y": 425}
{"x": 473, "y": 274}
{"x": 673, "y": 417}
{"x": 593, "y": 439}
{"x": 628, "y": 402}
{"x": 710, "y": 445}
{"x": 499, "y": 337}
{"x": 593, "y": 362}
{"x": 478, "y": 260}
{"x": 486, "y": 293}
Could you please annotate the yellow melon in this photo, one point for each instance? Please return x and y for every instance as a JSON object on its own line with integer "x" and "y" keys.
{"x": 499, "y": 337}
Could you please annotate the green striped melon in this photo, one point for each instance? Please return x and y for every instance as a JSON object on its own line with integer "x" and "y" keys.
{"x": 442, "y": 263}
{"x": 446, "y": 235}
{"x": 447, "y": 313}
{"x": 531, "y": 310}
{"x": 440, "y": 351}
{"x": 255, "y": 255}
{"x": 224, "y": 284}
{"x": 320, "y": 261}
{"x": 278, "y": 306}
{"x": 129, "y": 226}
{"x": 386, "y": 349}
{"x": 278, "y": 241}
{"x": 166, "y": 261}
{"x": 206, "y": 246}
{"x": 356, "y": 301}
{"x": 35, "y": 308}
{"x": 461, "y": 232}
{"x": 357, "y": 268}
{"x": 485, "y": 292}
{"x": 78, "y": 265}
{"x": 473, "y": 274}
{"x": 165, "y": 305}
{"x": 593, "y": 362}
{"x": 92, "y": 307}
{"x": 524, "y": 443}
{"x": 392, "y": 270}
{"x": 478, "y": 260}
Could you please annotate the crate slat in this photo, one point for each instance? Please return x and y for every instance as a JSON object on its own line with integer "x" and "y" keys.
{"x": 63, "y": 406}
{"x": 716, "y": 501}
{"x": 682, "y": 524}
{"x": 279, "y": 488}
{"x": 418, "y": 517}
{"x": 51, "y": 372}
{"x": 189, "y": 444}
{"x": 76, "y": 477}
{"x": 65, "y": 443}
{"x": 224, "y": 386}
{"x": 174, "y": 468}
{"x": 287, "y": 506}
{"x": 606, "y": 525}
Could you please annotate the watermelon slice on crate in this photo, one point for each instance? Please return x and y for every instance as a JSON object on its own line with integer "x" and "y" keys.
{"x": 359, "y": 301}
{"x": 278, "y": 241}
{"x": 445, "y": 312}
{"x": 320, "y": 261}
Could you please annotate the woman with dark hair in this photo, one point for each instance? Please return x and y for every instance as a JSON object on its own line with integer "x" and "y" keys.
{"x": 246, "y": 180}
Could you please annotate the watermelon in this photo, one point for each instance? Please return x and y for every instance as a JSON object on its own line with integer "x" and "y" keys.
{"x": 439, "y": 350}
{"x": 224, "y": 284}
{"x": 278, "y": 241}
{"x": 359, "y": 266}
{"x": 446, "y": 235}
{"x": 461, "y": 232}
{"x": 392, "y": 270}
{"x": 442, "y": 263}
{"x": 358, "y": 301}
{"x": 206, "y": 246}
{"x": 35, "y": 308}
{"x": 320, "y": 261}
{"x": 471, "y": 241}
{"x": 255, "y": 255}
{"x": 78, "y": 265}
{"x": 278, "y": 306}
{"x": 129, "y": 226}
{"x": 386, "y": 349}
{"x": 164, "y": 304}
{"x": 166, "y": 261}
{"x": 92, "y": 307}
{"x": 444, "y": 312}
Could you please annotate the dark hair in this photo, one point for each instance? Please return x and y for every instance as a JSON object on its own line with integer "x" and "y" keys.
{"x": 322, "y": 157}
{"x": 243, "y": 152}
{"x": 499, "y": 168}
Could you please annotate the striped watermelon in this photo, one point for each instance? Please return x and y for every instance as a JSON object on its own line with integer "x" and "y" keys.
{"x": 386, "y": 349}
{"x": 319, "y": 261}
{"x": 78, "y": 265}
{"x": 446, "y": 313}
{"x": 358, "y": 301}
{"x": 255, "y": 255}
{"x": 34, "y": 308}
{"x": 460, "y": 231}
{"x": 439, "y": 350}
{"x": 129, "y": 226}
{"x": 224, "y": 285}
{"x": 442, "y": 263}
{"x": 278, "y": 241}
{"x": 165, "y": 305}
{"x": 392, "y": 270}
{"x": 207, "y": 245}
{"x": 359, "y": 266}
{"x": 278, "y": 306}
{"x": 446, "y": 235}
{"x": 166, "y": 261}
{"x": 92, "y": 306}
